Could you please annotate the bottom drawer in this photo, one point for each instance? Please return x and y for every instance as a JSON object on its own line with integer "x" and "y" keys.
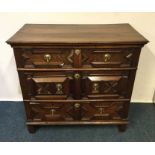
{"x": 77, "y": 111}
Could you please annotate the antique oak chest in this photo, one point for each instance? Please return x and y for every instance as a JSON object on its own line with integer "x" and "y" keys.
{"x": 77, "y": 74}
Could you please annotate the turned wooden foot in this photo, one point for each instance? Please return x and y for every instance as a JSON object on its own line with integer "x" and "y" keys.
{"x": 31, "y": 128}
{"x": 122, "y": 127}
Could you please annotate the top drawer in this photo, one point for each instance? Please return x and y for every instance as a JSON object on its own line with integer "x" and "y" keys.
{"x": 77, "y": 58}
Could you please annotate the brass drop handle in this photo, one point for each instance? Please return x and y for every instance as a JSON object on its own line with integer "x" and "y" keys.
{"x": 77, "y": 105}
{"x": 77, "y": 76}
{"x": 95, "y": 88}
{"x": 52, "y": 112}
{"x": 47, "y": 58}
{"x": 59, "y": 88}
{"x": 107, "y": 57}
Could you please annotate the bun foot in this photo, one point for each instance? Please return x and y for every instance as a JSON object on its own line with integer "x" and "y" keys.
{"x": 122, "y": 128}
{"x": 31, "y": 128}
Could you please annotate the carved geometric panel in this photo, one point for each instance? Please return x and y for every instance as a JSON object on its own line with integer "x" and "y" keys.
{"x": 43, "y": 88}
{"x": 68, "y": 111}
{"x": 110, "y": 86}
{"x": 116, "y": 57}
{"x": 102, "y": 111}
{"x": 105, "y": 87}
{"x": 27, "y": 62}
{"x": 102, "y": 86}
{"x": 50, "y": 112}
{"x": 36, "y": 58}
{"x": 50, "y": 86}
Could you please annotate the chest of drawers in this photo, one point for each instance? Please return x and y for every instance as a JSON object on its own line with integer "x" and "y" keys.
{"x": 77, "y": 74}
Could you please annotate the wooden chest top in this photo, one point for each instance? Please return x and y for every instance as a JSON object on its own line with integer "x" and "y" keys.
{"x": 45, "y": 34}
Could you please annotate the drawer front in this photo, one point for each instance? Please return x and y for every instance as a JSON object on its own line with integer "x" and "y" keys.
{"x": 94, "y": 111}
{"x": 73, "y": 111}
{"x": 44, "y": 58}
{"x": 100, "y": 58}
{"x": 76, "y": 85}
{"x": 45, "y": 85}
{"x": 75, "y": 58}
{"x": 102, "y": 85}
{"x": 52, "y": 111}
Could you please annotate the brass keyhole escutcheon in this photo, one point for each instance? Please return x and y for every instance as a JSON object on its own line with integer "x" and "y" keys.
{"x": 47, "y": 58}
{"x": 77, "y": 76}
{"x": 77, "y": 51}
{"x": 77, "y": 105}
{"x": 107, "y": 57}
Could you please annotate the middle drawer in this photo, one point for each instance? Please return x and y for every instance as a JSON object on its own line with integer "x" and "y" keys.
{"x": 76, "y": 84}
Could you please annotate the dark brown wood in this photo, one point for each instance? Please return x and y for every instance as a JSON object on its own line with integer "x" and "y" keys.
{"x": 48, "y": 34}
{"x": 73, "y": 111}
{"x": 106, "y": 122}
{"x": 77, "y": 85}
{"x": 105, "y": 86}
{"x": 122, "y": 127}
{"x": 31, "y": 128}
{"x": 75, "y": 69}
{"x": 77, "y": 74}
{"x": 81, "y": 100}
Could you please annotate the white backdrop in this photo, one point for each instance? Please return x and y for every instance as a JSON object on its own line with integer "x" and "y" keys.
{"x": 144, "y": 22}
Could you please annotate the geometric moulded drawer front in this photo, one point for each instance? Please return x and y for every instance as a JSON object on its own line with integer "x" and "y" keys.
{"x": 73, "y": 111}
{"x": 99, "y": 86}
{"x": 98, "y": 58}
{"x": 45, "y": 58}
{"x": 56, "y": 87}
